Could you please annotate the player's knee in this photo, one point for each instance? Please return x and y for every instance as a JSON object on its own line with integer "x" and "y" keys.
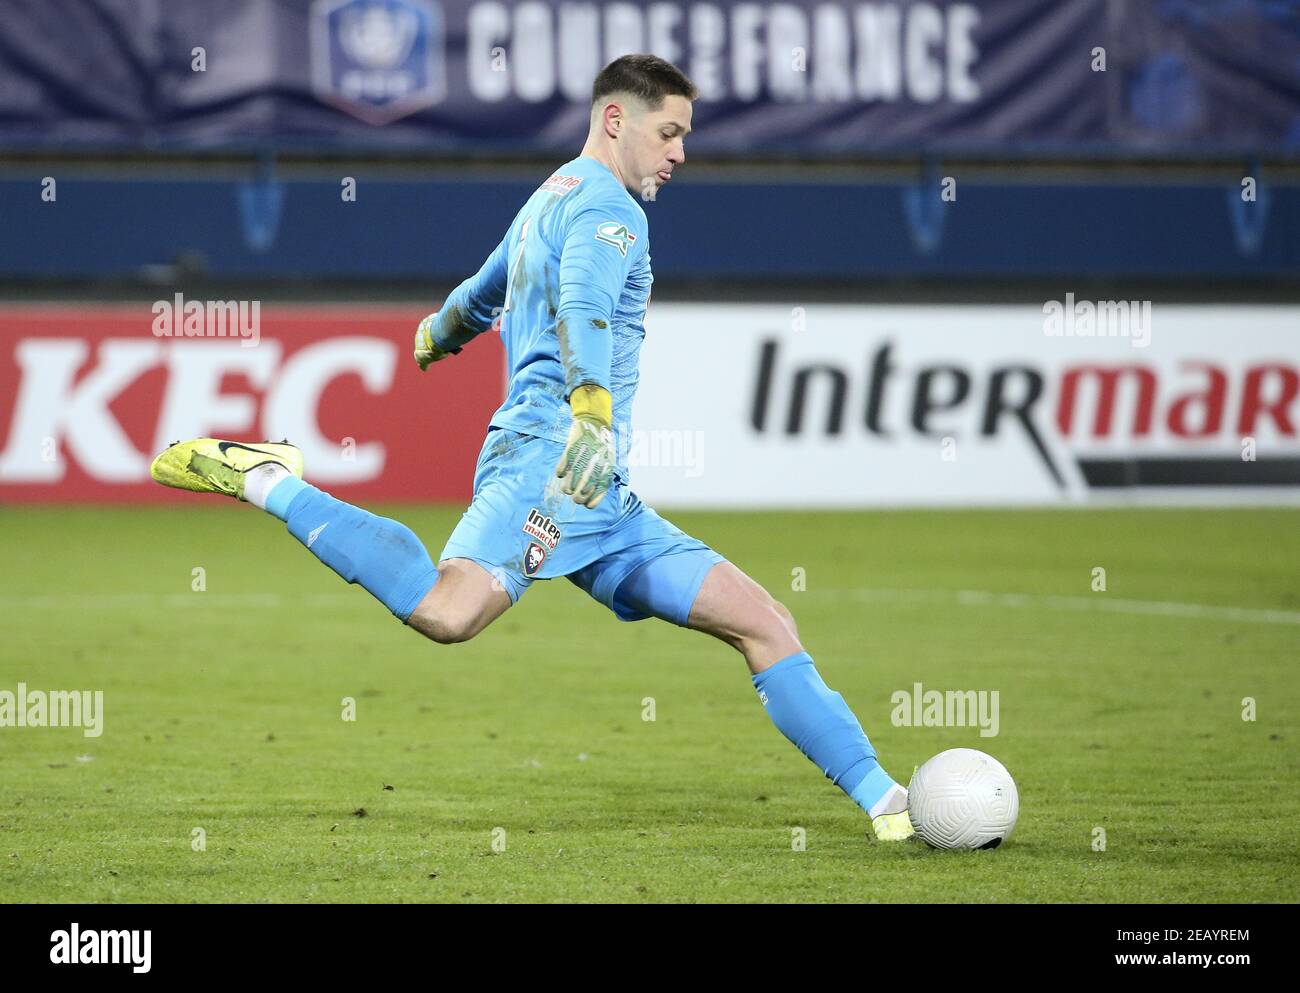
{"x": 449, "y": 632}
{"x": 444, "y": 626}
{"x": 786, "y": 621}
{"x": 770, "y": 623}
{"x": 785, "y": 614}
{"x": 774, "y": 616}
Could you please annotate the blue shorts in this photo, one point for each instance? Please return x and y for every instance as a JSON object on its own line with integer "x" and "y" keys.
{"x": 520, "y": 527}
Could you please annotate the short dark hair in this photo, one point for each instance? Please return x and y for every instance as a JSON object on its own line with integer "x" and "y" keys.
{"x": 645, "y": 76}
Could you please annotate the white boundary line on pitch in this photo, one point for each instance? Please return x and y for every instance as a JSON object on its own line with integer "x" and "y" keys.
{"x": 962, "y": 598}
{"x": 1099, "y": 602}
{"x": 226, "y": 601}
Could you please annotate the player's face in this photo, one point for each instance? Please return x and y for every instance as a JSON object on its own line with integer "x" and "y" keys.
{"x": 658, "y": 143}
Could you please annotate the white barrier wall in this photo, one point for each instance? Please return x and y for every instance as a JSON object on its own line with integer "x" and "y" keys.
{"x": 1074, "y": 401}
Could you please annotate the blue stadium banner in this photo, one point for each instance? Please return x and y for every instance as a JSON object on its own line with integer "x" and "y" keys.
{"x": 802, "y": 77}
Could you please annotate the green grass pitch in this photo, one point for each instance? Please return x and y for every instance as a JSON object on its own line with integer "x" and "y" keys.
{"x": 522, "y": 769}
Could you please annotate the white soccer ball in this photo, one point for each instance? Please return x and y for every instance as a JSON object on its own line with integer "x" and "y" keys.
{"x": 963, "y": 798}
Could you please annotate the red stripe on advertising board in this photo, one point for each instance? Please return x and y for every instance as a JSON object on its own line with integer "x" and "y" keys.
{"x": 89, "y": 394}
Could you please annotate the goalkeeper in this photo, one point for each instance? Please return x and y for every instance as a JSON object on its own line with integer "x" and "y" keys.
{"x": 570, "y": 282}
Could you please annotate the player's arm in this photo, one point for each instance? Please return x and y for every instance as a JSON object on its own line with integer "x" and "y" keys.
{"x": 469, "y": 310}
{"x": 600, "y": 243}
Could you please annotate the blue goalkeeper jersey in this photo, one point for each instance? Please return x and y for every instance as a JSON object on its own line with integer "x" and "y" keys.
{"x": 570, "y": 282}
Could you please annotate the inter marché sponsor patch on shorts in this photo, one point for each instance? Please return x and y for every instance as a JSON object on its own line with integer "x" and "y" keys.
{"x": 541, "y": 527}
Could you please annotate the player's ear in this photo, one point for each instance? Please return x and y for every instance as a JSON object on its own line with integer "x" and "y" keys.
{"x": 614, "y": 120}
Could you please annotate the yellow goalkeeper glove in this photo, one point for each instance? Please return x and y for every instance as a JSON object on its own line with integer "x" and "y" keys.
{"x": 426, "y": 351}
{"x": 587, "y": 465}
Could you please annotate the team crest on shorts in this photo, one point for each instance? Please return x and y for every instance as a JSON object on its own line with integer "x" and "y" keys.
{"x": 542, "y": 528}
{"x": 533, "y": 558}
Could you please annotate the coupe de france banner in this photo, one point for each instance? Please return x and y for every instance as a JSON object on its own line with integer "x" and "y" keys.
{"x": 802, "y": 77}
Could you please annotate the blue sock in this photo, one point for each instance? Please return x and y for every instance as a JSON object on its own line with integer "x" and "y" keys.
{"x": 819, "y": 723}
{"x": 383, "y": 556}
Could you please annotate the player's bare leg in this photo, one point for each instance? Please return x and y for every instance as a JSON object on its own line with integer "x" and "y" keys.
{"x": 465, "y": 599}
{"x": 734, "y": 608}
{"x": 448, "y": 603}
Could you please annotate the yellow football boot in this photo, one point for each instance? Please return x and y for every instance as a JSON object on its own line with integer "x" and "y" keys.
{"x": 894, "y": 824}
{"x": 209, "y": 465}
